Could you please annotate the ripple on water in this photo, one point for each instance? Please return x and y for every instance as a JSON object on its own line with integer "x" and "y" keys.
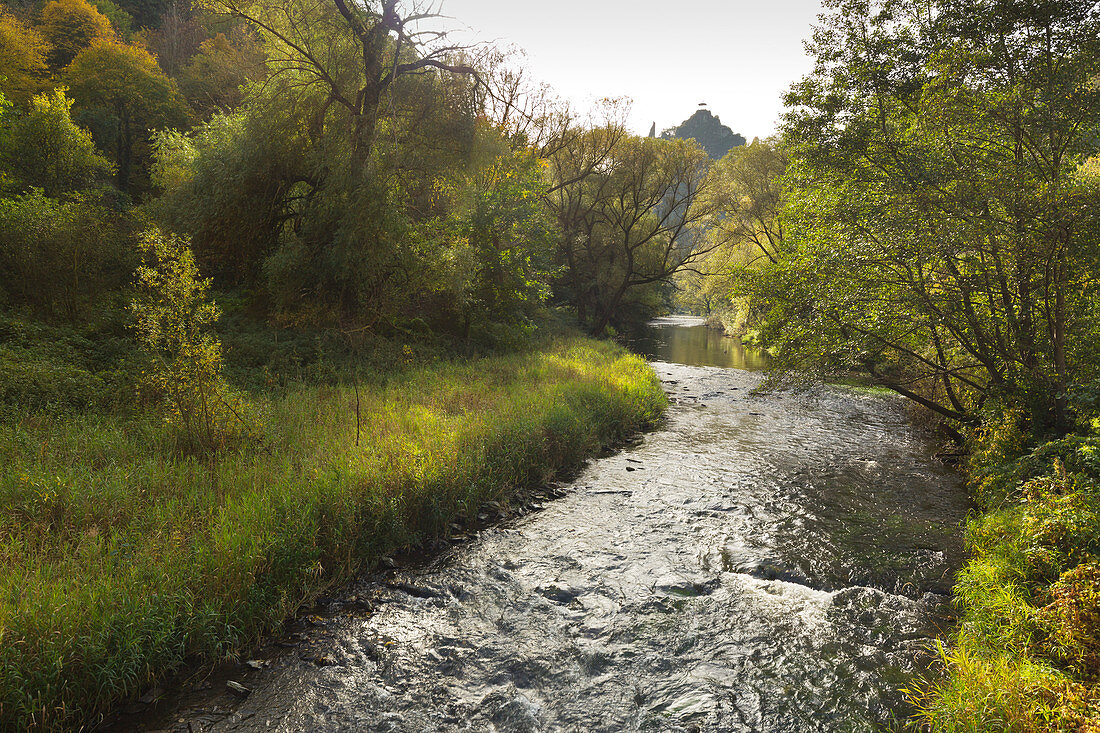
{"x": 761, "y": 563}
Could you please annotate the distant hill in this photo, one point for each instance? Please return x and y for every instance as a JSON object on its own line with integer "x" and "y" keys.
{"x": 707, "y": 130}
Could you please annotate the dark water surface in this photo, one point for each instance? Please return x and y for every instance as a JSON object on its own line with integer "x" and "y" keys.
{"x": 763, "y": 562}
{"x": 686, "y": 340}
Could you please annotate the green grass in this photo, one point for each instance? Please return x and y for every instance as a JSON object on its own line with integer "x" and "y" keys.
{"x": 1026, "y": 656}
{"x": 984, "y": 690}
{"x": 122, "y": 559}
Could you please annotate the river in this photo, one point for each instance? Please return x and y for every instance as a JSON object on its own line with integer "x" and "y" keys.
{"x": 761, "y": 562}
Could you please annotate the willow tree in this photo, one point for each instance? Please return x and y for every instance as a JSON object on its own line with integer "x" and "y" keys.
{"x": 628, "y": 209}
{"x": 747, "y": 196}
{"x": 746, "y": 230}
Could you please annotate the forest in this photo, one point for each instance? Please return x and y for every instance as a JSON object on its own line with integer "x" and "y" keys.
{"x": 287, "y": 285}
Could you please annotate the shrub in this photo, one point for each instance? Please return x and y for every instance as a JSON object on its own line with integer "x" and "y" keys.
{"x": 46, "y": 149}
{"x": 174, "y": 323}
{"x": 62, "y": 370}
{"x": 58, "y": 258}
{"x": 1074, "y": 620}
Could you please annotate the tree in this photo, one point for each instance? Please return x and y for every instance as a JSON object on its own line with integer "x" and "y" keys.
{"x": 944, "y": 241}
{"x": 70, "y": 26}
{"x": 123, "y": 89}
{"x": 320, "y": 206}
{"x": 46, "y": 149}
{"x": 747, "y": 197}
{"x": 213, "y": 80}
{"x": 146, "y": 13}
{"x": 507, "y": 234}
{"x": 232, "y": 186}
{"x": 525, "y": 111}
{"x": 176, "y": 37}
{"x": 174, "y": 319}
{"x": 22, "y": 59}
{"x": 627, "y": 220}
{"x": 121, "y": 21}
{"x": 352, "y": 52}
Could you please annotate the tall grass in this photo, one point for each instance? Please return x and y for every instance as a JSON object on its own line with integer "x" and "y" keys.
{"x": 1026, "y": 657}
{"x": 984, "y": 690}
{"x": 122, "y": 559}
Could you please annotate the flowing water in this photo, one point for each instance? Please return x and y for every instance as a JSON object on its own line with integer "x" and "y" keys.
{"x": 762, "y": 562}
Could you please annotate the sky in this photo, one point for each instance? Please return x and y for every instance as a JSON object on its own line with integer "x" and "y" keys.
{"x": 738, "y": 56}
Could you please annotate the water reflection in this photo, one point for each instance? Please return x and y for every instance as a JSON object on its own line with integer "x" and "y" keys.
{"x": 685, "y": 340}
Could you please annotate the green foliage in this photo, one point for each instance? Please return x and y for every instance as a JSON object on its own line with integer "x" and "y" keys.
{"x": 454, "y": 241}
{"x": 744, "y": 232}
{"x": 339, "y": 265}
{"x": 63, "y": 238}
{"x": 174, "y": 157}
{"x": 63, "y": 370}
{"x": 29, "y": 384}
{"x": 941, "y": 238}
{"x": 994, "y": 691}
{"x": 22, "y": 59}
{"x": 214, "y": 80}
{"x": 270, "y": 206}
{"x": 46, "y": 149}
{"x": 123, "y": 560}
{"x": 174, "y": 321}
{"x": 123, "y": 95}
{"x": 747, "y": 198}
{"x": 1074, "y": 615}
{"x": 628, "y": 209}
{"x": 504, "y": 237}
{"x": 45, "y": 369}
{"x": 1026, "y": 655}
{"x": 227, "y": 187}
{"x": 70, "y": 26}
{"x": 147, "y": 13}
{"x": 121, "y": 21}
{"x": 60, "y": 258}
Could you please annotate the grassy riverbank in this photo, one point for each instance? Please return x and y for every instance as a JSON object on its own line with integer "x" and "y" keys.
{"x": 122, "y": 559}
{"x": 1027, "y": 654}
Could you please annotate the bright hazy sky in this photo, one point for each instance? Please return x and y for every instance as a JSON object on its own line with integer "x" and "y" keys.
{"x": 738, "y": 56}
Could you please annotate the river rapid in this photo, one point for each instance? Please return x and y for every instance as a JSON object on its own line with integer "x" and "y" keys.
{"x": 761, "y": 562}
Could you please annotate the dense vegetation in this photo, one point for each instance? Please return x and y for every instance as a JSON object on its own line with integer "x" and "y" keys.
{"x": 332, "y": 167}
{"x": 929, "y": 218}
{"x": 249, "y": 251}
{"x": 285, "y": 286}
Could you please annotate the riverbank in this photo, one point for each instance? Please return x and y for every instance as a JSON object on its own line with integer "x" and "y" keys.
{"x": 770, "y": 562}
{"x": 123, "y": 559}
{"x": 1026, "y": 656}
